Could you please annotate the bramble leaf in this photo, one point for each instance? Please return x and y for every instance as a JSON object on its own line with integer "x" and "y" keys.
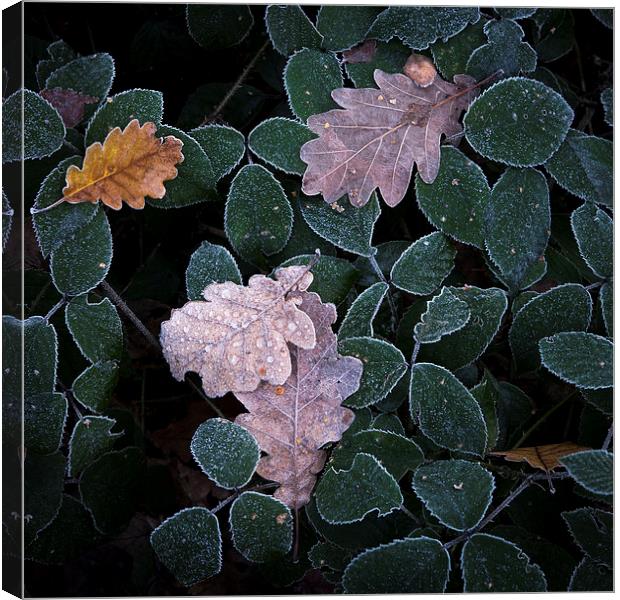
{"x": 290, "y": 29}
{"x": 444, "y": 315}
{"x": 209, "y": 264}
{"x": 593, "y": 229}
{"x": 218, "y": 26}
{"x": 592, "y": 469}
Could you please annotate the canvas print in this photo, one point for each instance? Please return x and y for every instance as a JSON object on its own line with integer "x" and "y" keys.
{"x": 307, "y": 299}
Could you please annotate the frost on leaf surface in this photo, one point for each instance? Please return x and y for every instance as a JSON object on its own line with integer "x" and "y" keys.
{"x": 293, "y": 419}
{"x": 592, "y": 531}
{"x": 445, "y": 314}
{"x": 593, "y": 229}
{"x": 129, "y": 165}
{"x": 419, "y": 565}
{"x": 189, "y": 544}
{"x": 208, "y": 264}
{"x": 375, "y": 141}
{"x": 91, "y": 437}
{"x": 492, "y": 564}
{"x": 593, "y": 469}
{"x": 346, "y": 496}
{"x": 239, "y": 336}
{"x": 358, "y": 320}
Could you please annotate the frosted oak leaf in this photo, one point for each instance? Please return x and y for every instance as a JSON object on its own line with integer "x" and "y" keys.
{"x": 291, "y": 422}
{"x": 238, "y": 336}
{"x": 381, "y": 133}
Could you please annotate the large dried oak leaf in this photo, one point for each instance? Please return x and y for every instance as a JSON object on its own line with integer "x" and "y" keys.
{"x": 129, "y": 165}
{"x": 376, "y": 140}
{"x": 291, "y": 422}
{"x": 545, "y": 458}
{"x": 239, "y": 336}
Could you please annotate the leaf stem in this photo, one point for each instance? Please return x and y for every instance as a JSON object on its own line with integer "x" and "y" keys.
{"x": 414, "y": 354}
{"x": 36, "y": 211}
{"x": 55, "y": 308}
{"x": 233, "y": 90}
{"x": 608, "y": 437}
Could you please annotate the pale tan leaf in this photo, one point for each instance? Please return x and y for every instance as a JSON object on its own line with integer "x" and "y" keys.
{"x": 293, "y": 421}
{"x": 381, "y": 134}
{"x": 239, "y": 335}
{"x": 545, "y": 458}
{"x": 129, "y": 165}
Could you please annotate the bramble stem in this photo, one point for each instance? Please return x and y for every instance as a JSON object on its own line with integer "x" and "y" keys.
{"x": 610, "y": 434}
{"x": 55, "y": 308}
{"x": 237, "y": 84}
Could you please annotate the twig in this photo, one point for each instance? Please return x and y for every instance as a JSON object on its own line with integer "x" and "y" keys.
{"x": 237, "y": 84}
{"x": 55, "y": 308}
{"x": 610, "y": 434}
{"x": 377, "y": 269}
{"x": 414, "y": 354}
{"x": 593, "y": 286}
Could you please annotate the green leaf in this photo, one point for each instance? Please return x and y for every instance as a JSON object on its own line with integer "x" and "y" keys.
{"x": 309, "y": 77}
{"x": 224, "y": 146}
{"x": 90, "y": 75}
{"x": 519, "y": 122}
{"x": 607, "y": 100}
{"x": 44, "y": 478}
{"x": 110, "y": 487}
{"x": 592, "y": 530}
{"x": 91, "y": 437}
{"x": 290, "y": 29}
{"x": 344, "y": 225}
{"x": 605, "y": 16}
{"x": 226, "y": 452}
{"x": 189, "y": 544}
{"x": 55, "y": 226}
{"x": 492, "y": 564}
{"x": 277, "y": 141}
{"x": 584, "y": 359}
{"x": 606, "y": 301}
{"x": 445, "y": 314}
{"x": 216, "y": 26}
{"x": 66, "y": 537}
{"x": 462, "y": 347}
{"x": 456, "y": 492}
{"x": 592, "y": 469}
{"x": 504, "y": 51}
{"x": 590, "y": 576}
{"x": 326, "y": 554}
{"x": 515, "y": 13}
{"x": 196, "y": 177}
{"x": 42, "y": 127}
{"x": 451, "y": 57}
{"x": 209, "y": 264}
{"x": 389, "y": 57}
{"x": 119, "y": 110}
{"x": 343, "y": 27}
{"x": 583, "y": 165}
{"x": 388, "y": 422}
{"x": 45, "y": 416}
{"x": 516, "y": 281}
{"x": 424, "y": 265}
{"x": 408, "y": 566}
{"x": 603, "y": 399}
{"x": 394, "y": 451}
{"x": 96, "y": 328}
{"x": 348, "y": 496}
{"x": 94, "y": 386}
{"x": 556, "y": 33}
{"x": 261, "y": 527}
{"x": 258, "y": 218}
{"x": 518, "y": 221}
{"x": 487, "y": 394}
{"x": 82, "y": 261}
{"x": 445, "y": 409}
{"x": 593, "y": 229}
{"x": 456, "y": 201}
{"x": 358, "y": 320}
{"x": 60, "y": 53}
{"x": 563, "y": 308}
{"x": 420, "y": 26}
{"x": 333, "y": 277}
{"x": 384, "y": 365}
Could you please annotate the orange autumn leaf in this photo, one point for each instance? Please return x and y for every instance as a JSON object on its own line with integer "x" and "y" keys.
{"x": 546, "y": 458}
{"x": 129, "y": 165}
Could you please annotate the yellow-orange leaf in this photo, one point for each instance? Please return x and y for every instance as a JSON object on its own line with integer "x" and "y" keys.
{"x": 545, "y": 458}
{"x": 129, "y": 165}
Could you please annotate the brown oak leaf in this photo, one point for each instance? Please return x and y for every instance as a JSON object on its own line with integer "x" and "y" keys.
{"x": 362, "y": 53}
{"x": 239, "y": 336}
{"x": 375, "y": 141}
{"x": 291, "y": 422}
{"x": 129, "y": 165}
{"x": 546, "y": 457}
{"x": 69, "y": 104}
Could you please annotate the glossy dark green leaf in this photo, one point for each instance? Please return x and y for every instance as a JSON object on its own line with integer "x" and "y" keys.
{"x": 451, "y": 57}
{"x": 592, "y": 469}
{"x": 584, "y": 359}
{"x": 556, "y": 33}
{"x": 519, "y": 122}
{"x": 346, "y": 496}
{"x": 60, "y": 53}
{"x": 219, "y": 26}
{"x": 593, "y": 229}
{"x": 456, "y": 492}
{"x": 226, "y": 452}
{"x": 224, "y": 146}
{"x": 208, "y": 264}
{"x": 358, "y": 320}
{"x": 487, "y": 394}
{"x": 445, "y": 314}
{"x": 94, "y": 386}
{"x": 189, "y": 544}
{"x": 384, "y": 365}
{"x": 91, "y": 438}
{"x": 44, "y": 422}
{"x": 337, "y": 36}
{"x": 445, "y": 409}
{"x": 261, "y": 527}
{"x": 593, "y": 531}
{"x": 290, "y": 29}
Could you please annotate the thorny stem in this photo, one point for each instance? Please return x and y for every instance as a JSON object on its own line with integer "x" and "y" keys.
{"x": 237, "y": 84}
{"x": 504, "y": 504}
{"x": 55, "y": 308}
{"x": 377, "y": 269}
{"x": 608, "y": 437}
